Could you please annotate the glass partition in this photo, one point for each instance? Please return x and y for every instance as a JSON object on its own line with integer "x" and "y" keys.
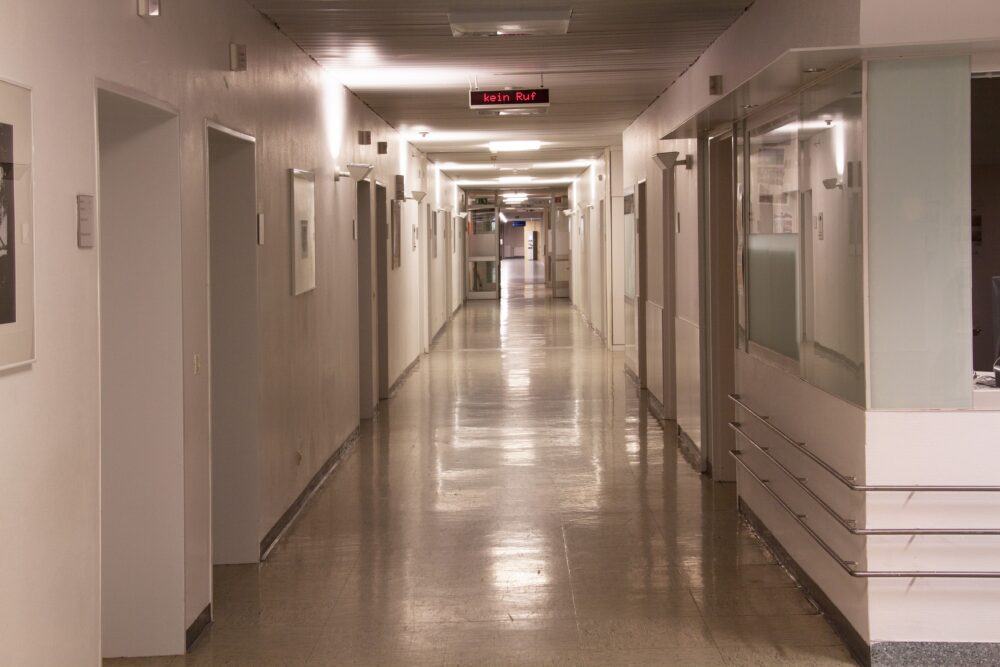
{"x": 482, "y": 276}
{"x": 804, "y": 235}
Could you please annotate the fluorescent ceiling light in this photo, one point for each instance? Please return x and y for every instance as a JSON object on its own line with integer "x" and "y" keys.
{"x": 384, "y": 78}
{"x": 515, "y": 179}
{"x": 503, "y": 218}
{"x": 510, "y": 22}
{"x": 800, "y": 126}
{"x": 363, "y": 55}
{"x": 422, "y": 134}
{"x": 569, "y": 164}
{"x": 514, "y": 195}
{"x": 512, "y": 146}
{"x": 473, "y": 166}
{"x": 495, "y": 182}
{"x": 528, "y": 111}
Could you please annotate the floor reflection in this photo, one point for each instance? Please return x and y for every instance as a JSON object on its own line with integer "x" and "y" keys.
{"x": 514, "y": 504}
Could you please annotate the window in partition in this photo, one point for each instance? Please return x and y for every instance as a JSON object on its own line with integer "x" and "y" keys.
{"x": 803, "y": 208}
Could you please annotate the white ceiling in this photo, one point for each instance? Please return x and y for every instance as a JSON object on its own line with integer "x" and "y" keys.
{"x": 400, "y": 57}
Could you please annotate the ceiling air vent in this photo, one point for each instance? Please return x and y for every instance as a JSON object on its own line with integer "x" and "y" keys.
{"x": 530, "y": 111}
{"x": 510, "y": 22}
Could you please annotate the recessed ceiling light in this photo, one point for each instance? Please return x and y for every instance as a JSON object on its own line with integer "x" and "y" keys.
{"x": 472, "y": 166}
{"x": 512, "y": 146}
{"x": 529, "y": 111}
{"x": 813, "y": 70}
{"x": 568, "y": 164}
{"x": 510, "y": 22}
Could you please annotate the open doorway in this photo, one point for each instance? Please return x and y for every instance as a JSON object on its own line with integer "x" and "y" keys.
{"x": 635, "y": 283}
{"x": 718, "y": 367}
{"x": 382, "y": 287}
{"x": 235, "y": 349}
{"x": 986, "y": 230}
{"x": 142, "y": 411}
{"x": 367, "y": 297}
{"x": 522, "y": 244}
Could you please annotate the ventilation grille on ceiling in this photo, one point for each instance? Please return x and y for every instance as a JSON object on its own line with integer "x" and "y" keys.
{"x": 526, "y": 111}
{"x": 510, "y": 22}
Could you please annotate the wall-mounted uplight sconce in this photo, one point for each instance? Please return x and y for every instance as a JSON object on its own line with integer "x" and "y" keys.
{"x": 463, "y": 215}
{"x": 149, "y": 7}
{"x": 358, "y": 171}
{"x": 418, "y": 195}
{"x": 833, "y": 184}
{"x": 672, "y": 159}
{"x": 567, "y": 212}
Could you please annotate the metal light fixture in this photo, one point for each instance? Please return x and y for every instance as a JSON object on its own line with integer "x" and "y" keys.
{"x": 463, "y": 215}
{"x": 149, "y": 7}
{"x": 418, "y": 195}
{"x": 672, "y": 159}
{"x": 359, "y": 171}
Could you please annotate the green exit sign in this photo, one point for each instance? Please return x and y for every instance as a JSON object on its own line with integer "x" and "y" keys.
{"x": 482, "y": 200}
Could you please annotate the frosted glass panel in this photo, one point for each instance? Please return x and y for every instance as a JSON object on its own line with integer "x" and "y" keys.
{"x": 773, "y": 262}
{"x": 482, "y": 276}
{"x": 919, "y": 233}
{"x": 773, "y": 223}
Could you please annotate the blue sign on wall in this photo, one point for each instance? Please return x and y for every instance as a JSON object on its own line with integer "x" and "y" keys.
{"x": 517, "y": 223}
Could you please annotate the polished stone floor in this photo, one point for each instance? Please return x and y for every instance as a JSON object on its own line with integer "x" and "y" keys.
{"x": 514, "y": 504}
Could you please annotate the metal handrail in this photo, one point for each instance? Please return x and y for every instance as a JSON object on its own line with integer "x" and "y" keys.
{"x": 849, "y": 565}
{"x": 850, "y": 480}
{"x": 850, "y": 525}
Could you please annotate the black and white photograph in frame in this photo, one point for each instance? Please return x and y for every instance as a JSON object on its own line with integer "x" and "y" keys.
{"x": 8, "y": 277}
{"x": 303, "y": 184}
{"x": 17, "y": 312}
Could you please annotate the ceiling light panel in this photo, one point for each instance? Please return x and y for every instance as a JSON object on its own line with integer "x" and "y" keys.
{"x": 513, "y": 146}
{"x": 510, "y": 22}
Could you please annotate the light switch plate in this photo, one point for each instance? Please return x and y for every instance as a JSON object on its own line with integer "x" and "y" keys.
{"x": 86, "y": 232}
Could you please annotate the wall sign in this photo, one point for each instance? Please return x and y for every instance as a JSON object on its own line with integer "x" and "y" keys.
{"x": 517, "y": 223}
{"x": 505, "y": 99}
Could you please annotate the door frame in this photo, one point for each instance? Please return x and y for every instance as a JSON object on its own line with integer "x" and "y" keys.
{"x": 383, "y": 220}
{"x": 642, "y": 278}
{"x": 717, "y": 183}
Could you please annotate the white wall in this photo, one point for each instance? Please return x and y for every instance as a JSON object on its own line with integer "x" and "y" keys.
{"x": 308, "y": 343}
{"x": 589, "y": 291}
{"x": 905, "y": 447}
{"x": 49, "y": 475}
{"x": 912, "y": 21}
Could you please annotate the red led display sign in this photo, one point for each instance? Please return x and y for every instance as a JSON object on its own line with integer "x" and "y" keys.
{"x": 492, "y": 99}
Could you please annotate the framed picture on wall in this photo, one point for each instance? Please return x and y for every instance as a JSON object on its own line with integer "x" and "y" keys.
{"x": 17, "y": 306}
{"x": 303, "y": 236}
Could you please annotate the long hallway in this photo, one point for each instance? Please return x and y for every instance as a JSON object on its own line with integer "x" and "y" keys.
{"x": 513, "y": 504}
